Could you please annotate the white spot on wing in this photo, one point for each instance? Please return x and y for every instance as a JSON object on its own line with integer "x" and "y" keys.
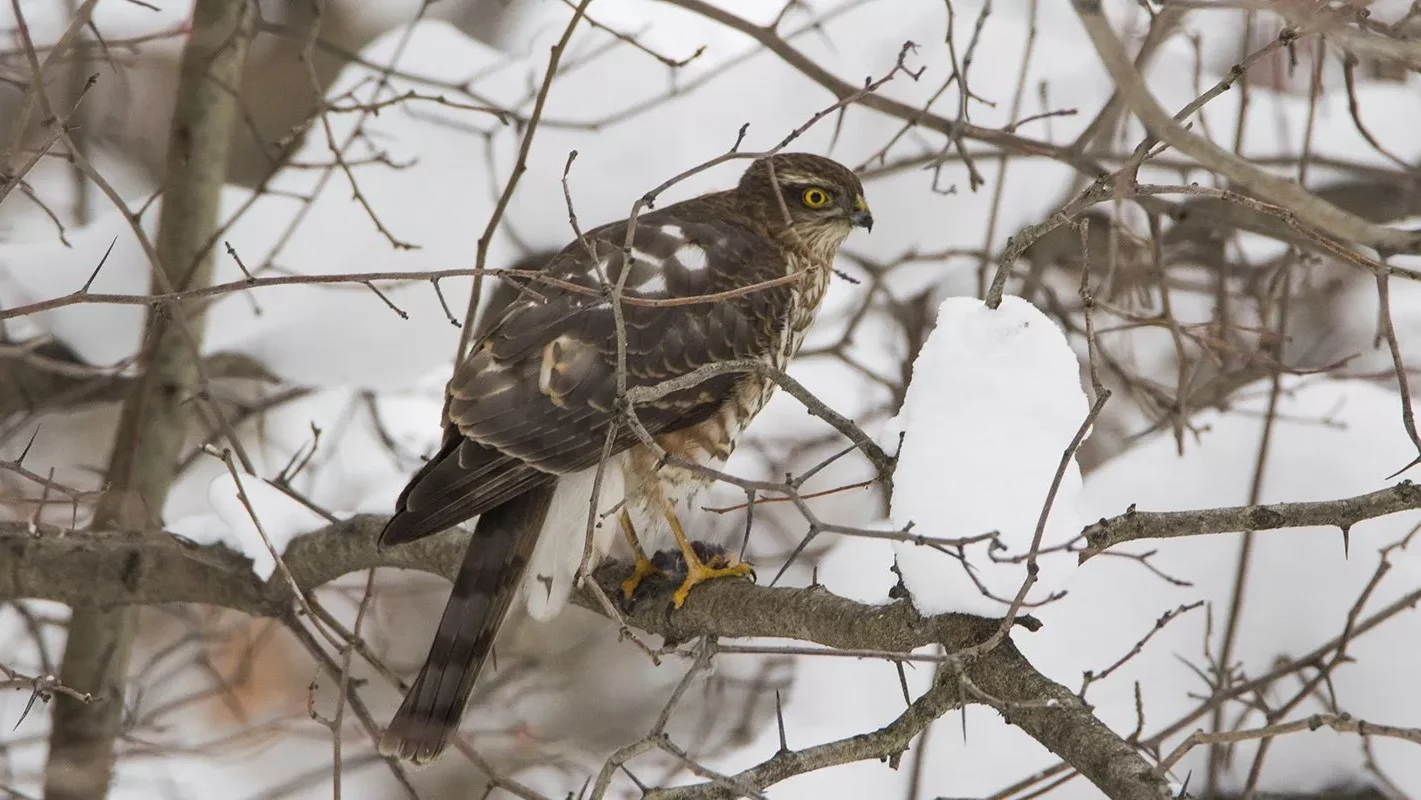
{"x": 599, "y": 271}
{"x": 552, "y": 351}
{"x": 673, "y": 231}
{"x": 656, "y": 284}
{"x": 692, "y": 258}
{"x": 643, "y": 256}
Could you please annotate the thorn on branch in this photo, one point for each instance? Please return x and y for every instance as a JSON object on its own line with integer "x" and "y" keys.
{"x": 371, "y": 286}
{"x": 740, "y": 137}
{"x": 232, "y": 251}
{"x": 42, "y": 688}
{"x": 444, "y": 304}
{"x": 90, "y": 282}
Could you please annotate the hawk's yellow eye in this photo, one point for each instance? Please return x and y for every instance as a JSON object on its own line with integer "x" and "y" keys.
{"x": 816, "y": 198}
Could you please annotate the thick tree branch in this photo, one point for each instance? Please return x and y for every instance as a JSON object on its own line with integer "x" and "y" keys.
{"x": 150, "y": 568}
{"x": 1002, "y": 677}
{"x": 1344, "y": 513}
{"x": 153, "y": 424}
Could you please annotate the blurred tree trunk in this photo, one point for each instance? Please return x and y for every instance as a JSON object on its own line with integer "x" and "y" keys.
{"x": 154, "y": 420}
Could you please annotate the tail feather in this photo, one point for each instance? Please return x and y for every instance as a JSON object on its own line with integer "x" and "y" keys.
{"x": 487, "y": 582}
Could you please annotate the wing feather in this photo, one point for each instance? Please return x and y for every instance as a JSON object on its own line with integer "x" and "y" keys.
{"x": 462, "y": 481}
{"x": 535, "y": 397}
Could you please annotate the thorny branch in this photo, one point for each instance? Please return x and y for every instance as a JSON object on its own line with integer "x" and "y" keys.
{"x": 1342, "y": 514}
{"x": 1328, "y": 219}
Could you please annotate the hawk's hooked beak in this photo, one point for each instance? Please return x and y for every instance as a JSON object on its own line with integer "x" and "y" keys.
{"x": 861, "y": 216}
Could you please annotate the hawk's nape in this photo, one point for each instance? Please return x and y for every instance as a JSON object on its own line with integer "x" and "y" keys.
{"x": 502, "y": 543}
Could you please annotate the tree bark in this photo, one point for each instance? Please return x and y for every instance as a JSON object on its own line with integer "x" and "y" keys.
{"x": 154, "y": 420}
{"x": 157, "y": 568}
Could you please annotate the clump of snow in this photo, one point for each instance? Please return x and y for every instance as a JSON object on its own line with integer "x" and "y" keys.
{"x": 994, "y": 402}
{"x": 231, "y": 523}
{"x": 1331, "y": 439}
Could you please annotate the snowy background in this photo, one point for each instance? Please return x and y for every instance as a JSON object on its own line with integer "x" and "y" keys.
{"x": 1242, "y": 368}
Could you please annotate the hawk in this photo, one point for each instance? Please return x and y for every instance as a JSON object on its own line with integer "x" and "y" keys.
{"x": 731, "y": 275}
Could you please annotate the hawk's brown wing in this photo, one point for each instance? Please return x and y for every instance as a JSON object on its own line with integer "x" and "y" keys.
{"x": 536, "y": 395}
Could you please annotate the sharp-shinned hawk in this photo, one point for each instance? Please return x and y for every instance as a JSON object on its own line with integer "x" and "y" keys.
{"x": 527, "y": 413}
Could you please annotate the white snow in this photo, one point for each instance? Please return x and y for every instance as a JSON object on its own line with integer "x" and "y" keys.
{"x": 1333, "y": 439}
{"x": 994, "y": 402}
{"x": 273, "y": 513}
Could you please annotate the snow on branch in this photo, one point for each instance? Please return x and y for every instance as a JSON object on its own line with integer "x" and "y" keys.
{"x": 994, "y": 401}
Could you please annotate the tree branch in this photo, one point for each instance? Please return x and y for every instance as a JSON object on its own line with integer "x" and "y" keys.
{"x": 1344, "y": 513}
{"x": 1316, "y": 212}
{"x": 122, "y": 569}
{"x": 43, "y": 374}
{"x": 152, "y": 427}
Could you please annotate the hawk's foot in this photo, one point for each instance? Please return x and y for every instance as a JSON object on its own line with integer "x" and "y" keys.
{"x": 673, "y": 562}
{"x": 642, "y": 569}
{"x": 705, "y": 563}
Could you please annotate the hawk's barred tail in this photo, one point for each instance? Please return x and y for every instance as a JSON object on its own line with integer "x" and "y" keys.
{"x": 487, "y": 582}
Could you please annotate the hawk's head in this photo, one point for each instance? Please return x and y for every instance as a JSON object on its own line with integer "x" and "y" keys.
{"x": 817, "y": 198}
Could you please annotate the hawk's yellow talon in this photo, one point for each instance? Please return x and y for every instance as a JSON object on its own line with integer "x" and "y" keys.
{"x": 696, "y": 572}
{"x": 642, "y": 570}
{"x": 696, "y": 569}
